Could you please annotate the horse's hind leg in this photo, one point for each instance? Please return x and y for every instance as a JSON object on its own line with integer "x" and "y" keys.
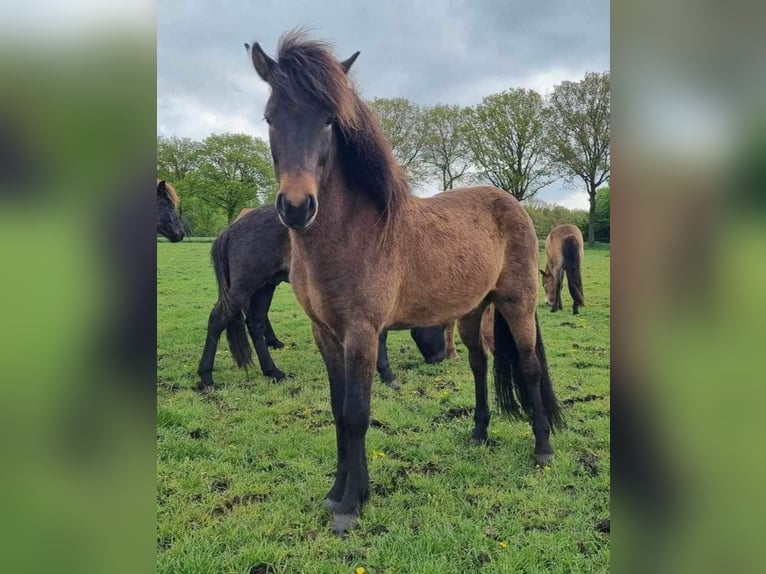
{"x": 271, "y": 337}
{"x": 559, "y": 287}
{"x": 217, "y": 322}
{"x": 470, "y": 332}
{"x": 523, "y": 332}
{"x": 449, "y": 340}
{"x": 257, "y": 317}
{"x": 382, "y": 364}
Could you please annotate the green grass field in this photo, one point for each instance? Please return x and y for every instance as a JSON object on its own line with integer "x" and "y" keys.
{"x": 241, "y": 474}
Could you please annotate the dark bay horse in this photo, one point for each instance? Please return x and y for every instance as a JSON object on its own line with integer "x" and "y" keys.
{"x": 368, "y": 255}
{"x": 168, "y": 222}
{"x": 564, "y": 251}
{"x": 251, "y": 258}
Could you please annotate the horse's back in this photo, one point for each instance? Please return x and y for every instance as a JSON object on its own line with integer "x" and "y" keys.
{"x": 258, "y": 247}
{"x": 554, "y": 243}
{"x": 461, "y": 244}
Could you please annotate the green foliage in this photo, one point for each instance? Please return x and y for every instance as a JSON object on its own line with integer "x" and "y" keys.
{"x": 217, "y": 177}
{"x": 241, "y": 474}
{"x": 546, "y": 216}
{"x": 602, "y": 219}
{"x": 445, "y": 151}
{"x": 403, "y": 124}
{"x": 506, "y": 135}
{"x": 177, "y": 158}
{"x": 579, "y": 133}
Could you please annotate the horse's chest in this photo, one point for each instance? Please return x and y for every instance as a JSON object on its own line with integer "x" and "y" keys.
{"x": 314, "y": 302}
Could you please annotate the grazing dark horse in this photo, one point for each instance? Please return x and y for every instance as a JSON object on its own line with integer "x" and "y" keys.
{"x": 168, "y": 222}
{"x": 564, "y": 251}
{"x": 250, "y": 258}
{"x": 368, "y": 255}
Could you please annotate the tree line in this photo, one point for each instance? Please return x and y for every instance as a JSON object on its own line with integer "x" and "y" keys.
{"x": 516, "y": 140}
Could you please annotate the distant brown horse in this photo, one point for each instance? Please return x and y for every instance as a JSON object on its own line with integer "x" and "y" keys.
{"x": 168, "y": 222}
{"x": 564, "y": 251}
{"x": 368, "y": 255}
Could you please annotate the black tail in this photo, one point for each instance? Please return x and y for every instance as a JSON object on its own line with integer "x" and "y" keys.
{"x": 236, "y": 333}
{"x": 571, "y": 252}
{"x": 509, "y": 377}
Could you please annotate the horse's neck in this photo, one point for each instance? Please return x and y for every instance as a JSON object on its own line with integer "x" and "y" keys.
{"x": 344, "y": 215}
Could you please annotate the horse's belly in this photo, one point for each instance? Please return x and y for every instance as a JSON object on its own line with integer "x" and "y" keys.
{"x": 439, "y": 303}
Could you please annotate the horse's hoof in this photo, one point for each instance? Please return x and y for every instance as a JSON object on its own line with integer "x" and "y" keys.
{"x": 277, "y": 345}
{"x": 543, "y": 459}
{"x": 393, "y": 384}
{"x": 342, "y": 523}
{"x": 477, "y": 441}
{"x": 277, "y": 376}
{"x": 330, "y": 505}
{"x": 203, "y": 387}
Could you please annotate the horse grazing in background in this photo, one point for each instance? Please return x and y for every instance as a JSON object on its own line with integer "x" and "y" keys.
{"x": 251, "y": 258}
{"x": 168, "y": 222}
{"x": 564, "y": 251}
{"x": 368, "y": 255}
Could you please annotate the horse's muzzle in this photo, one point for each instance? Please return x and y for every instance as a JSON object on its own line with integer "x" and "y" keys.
{"x": 297, "y": 216}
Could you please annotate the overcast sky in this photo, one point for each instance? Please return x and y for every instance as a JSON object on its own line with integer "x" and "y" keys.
{"x": 428, "y": 51}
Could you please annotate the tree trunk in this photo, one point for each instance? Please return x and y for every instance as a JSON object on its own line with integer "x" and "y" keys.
{"x": 592, "y": 217}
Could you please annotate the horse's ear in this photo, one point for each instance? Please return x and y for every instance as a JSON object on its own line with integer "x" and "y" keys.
{"x": 346, "y": 64}
{"x": 161, "y": 185}
{"x": 261, "y": 61}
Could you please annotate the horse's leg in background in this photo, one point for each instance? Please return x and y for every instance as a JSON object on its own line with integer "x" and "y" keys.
{"x": 470, "y": 333}
{"x": 271, "y": 338}
{"x": 559, "y": 288}
{"x": 382, "y": 365}
{"x": 332, "y": 354}
{"x": 449, "y": 339}
{"x": 523, "y": 330}
{"x": 219, "y": 318}
{"x": 257, "y": 317}
{"x": 359, "y": 346}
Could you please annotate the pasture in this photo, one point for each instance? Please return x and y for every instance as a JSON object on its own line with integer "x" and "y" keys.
{"x": 242, "y": 472}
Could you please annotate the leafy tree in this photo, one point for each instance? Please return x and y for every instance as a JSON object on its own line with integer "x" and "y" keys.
{"x": 235, "y": 171}
{"x": 545, "y": 216}
{"x": 402, "y": 123}
{"x": 579, "y": 134}
{"x": 602, "y": 230}
{"x": 176, "y": 158}
{"x": 506, "y": 135}
{"x": 445, "y": 151}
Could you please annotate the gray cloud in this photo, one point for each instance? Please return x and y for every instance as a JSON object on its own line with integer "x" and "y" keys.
{"x": 429, "y": 51}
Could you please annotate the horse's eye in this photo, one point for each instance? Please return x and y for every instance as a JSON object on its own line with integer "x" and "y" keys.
{"x": 330, "y": 121}
{"x": 268, "y": 119}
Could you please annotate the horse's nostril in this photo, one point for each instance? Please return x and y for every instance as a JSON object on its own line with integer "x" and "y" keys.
{"x": 311, "y": 206}
{"x": 281, "y": 202}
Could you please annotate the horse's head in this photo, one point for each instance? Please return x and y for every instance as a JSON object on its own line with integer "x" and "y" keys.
{"x": 430, "y": 342}
{"x": 168, "y": 222}
{"x": 309, "y": 94}
{"x": 548, "y": 286}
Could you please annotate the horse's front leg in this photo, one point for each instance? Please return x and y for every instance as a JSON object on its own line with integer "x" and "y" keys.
{"x": 332, "y": 353}
{"x": 360, "y": 351}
